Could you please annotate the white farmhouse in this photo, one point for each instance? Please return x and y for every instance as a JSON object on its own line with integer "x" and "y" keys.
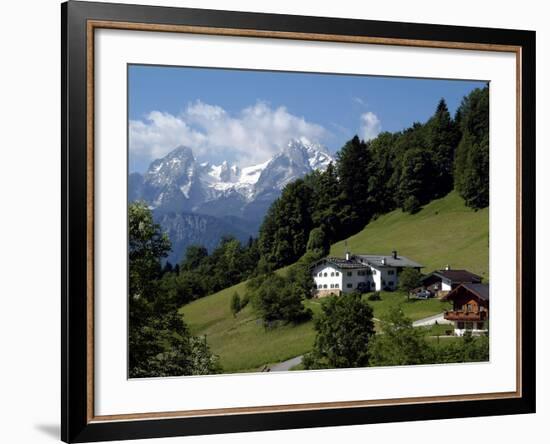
{"x": 363, "y": 272}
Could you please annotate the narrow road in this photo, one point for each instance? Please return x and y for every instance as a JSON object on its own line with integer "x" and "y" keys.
{"x": 431, "y": 320}
{"x": 286, "y": 365}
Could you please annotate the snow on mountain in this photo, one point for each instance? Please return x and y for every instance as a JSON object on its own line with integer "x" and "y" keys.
{"x": 178, "y": 181}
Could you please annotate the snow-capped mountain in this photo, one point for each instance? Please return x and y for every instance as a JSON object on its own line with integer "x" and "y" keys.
{"x": 178, "y": 183}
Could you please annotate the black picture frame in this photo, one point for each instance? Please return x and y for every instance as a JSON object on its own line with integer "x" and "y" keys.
{"x": 76, "y": 424}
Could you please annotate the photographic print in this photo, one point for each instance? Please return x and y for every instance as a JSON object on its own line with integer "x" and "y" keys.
{"x": 276, "y": 222}
{"x": 291, "y": 221}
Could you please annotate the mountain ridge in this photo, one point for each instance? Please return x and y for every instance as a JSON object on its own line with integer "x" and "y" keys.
{"x": 238, "y": 197}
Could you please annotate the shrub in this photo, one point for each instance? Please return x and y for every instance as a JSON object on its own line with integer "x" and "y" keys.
{"x": 235, "y": 304}
{"x": 245, "y": 300}
{"x": 279, "y": 299}
{"x": 375, "y": 296}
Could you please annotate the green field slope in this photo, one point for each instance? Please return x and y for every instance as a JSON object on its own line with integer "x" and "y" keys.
{"x": 443, "y": 232}
{"x": 241, "y": 341}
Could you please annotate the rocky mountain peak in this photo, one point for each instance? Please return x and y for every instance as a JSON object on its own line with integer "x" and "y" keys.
{"x": 179, "y": 181}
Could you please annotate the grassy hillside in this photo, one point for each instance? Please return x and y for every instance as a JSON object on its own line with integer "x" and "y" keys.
{"x": 241, "y": 341}
{"x": 444, "y": 232}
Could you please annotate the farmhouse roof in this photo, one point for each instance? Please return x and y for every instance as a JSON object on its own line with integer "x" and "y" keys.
{"x": 389, "y": 261}
{"x": 479, "y": 290}
{"x": 364, "y": 260}
{"x": 456, "y": 276}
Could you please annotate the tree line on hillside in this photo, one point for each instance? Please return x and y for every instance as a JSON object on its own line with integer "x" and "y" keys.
{"x": 201, "y": 273}
{"x": 406, "y": 170}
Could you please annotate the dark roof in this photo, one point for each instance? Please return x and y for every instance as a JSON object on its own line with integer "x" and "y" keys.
{"x": 342, "y": 263}
{"x": 480, "y": 290}
{"x": 389, "y": 261}
{"x": 456, "y": 276}
{"x": 364, "y": 260}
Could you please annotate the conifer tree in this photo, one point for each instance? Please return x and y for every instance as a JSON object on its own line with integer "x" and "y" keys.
{"x": 442, "y": 137}
{"x": 471, "y": 166}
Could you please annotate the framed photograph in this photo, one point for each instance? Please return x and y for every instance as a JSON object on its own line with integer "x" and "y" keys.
{"x": 275, "y": 221}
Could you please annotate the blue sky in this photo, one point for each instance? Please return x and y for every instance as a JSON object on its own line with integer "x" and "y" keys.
{"x": 245, "y": 116}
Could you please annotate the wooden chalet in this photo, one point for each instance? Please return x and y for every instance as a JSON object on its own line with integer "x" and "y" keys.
{"x": 470, "y": 308}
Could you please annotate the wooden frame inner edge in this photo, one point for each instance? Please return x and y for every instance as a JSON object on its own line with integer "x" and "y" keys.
{"x": 94, "y": 24}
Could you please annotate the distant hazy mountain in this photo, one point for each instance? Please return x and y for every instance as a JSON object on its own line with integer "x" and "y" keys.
{"x": 199, "y": 202}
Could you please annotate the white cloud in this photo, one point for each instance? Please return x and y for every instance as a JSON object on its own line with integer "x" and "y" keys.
{"x": 253, "y": 135}
{"x": 370, "y": 126}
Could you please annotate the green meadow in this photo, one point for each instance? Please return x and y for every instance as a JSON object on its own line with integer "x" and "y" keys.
{"x": 443, "y": 232}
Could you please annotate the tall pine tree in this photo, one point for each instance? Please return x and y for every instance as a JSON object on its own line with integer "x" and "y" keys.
{"x": 471, "y": 166}
{"x": 353, "y": 167}
{"x": 442, "y": 138}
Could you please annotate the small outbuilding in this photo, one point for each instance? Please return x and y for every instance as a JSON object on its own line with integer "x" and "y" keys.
{"x": 440, "y": 282}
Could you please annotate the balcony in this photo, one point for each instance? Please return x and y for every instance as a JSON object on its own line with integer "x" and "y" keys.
{"x": 466, "y": 316}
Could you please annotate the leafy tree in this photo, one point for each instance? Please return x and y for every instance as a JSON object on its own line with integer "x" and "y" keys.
{"x": 299, "y": 274}
{"x": 159, "y": 341}
{"x": 318, "y": 241}
{"x": 203, "y": 362}
{"x": 194, "y": 256}
{"x": 245, "y": 300}
{"x": 344, "y": 331}
{"x": 399, "y": 343}
{"x": 235, "y": 303}
{"x": 278, "y": 299}
{"x": 147, "y": 246}
{"x": 202, "y": 273}
{"x": 182, "y": 288}
{"x": 168, "y": 268}
{"x": 467, "y": 349}
{"x": 409, "y": 279}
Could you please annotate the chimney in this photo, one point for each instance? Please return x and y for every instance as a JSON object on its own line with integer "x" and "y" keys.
{"x": 348, "y": 256}
{"x": 447, "y": 267}
{"x": 394, "y": 254}
{"x": 383, "y": 261}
